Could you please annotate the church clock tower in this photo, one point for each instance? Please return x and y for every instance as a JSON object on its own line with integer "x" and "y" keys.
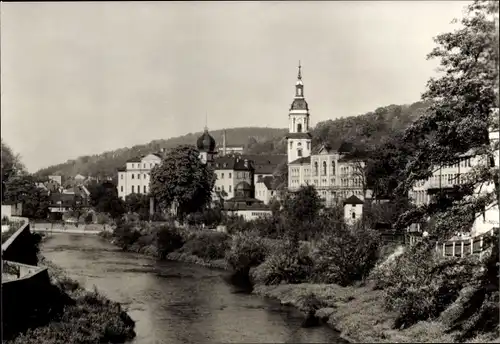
{"x": 298, "y": 137}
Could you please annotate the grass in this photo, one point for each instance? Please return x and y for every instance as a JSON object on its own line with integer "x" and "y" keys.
{"x": 86, "y": 317}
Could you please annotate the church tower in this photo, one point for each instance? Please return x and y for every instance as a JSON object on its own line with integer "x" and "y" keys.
{"x": 298, "y": 137}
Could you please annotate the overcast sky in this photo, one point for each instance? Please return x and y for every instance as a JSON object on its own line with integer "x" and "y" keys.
{"x": 83, "y": 78}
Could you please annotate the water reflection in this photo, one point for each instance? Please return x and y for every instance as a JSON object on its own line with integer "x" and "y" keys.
{"x": 179, "y": 303}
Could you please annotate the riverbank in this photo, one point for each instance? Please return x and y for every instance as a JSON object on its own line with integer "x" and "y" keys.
{"x": 357, "y": 311}
{"x": 81, "y": 317}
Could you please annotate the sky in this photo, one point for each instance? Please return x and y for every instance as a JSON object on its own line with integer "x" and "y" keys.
{"x": 81, "y": 78}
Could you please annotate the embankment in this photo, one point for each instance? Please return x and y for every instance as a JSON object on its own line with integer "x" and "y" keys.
{"x": 41, "y": 304}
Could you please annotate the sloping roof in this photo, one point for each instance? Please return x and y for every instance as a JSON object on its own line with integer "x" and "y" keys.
{"x": 353, "y": 200}
{"x": 232, "y": 163}
{"x": 122, "y": 169}
{"x": 267, "y": 181}
{"x": 136, "y": 159}
{"x": 301, "y": 161}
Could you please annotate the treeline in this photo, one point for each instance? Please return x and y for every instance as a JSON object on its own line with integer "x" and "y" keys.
{"x": 105, "y": 164}
{"x": 365, "y": 130}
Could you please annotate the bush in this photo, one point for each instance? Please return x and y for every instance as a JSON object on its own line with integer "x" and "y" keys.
{"x": 423, "y": 285}
{"x": 126, "y": 235}
{"x": 247, "y": 250}
{"x": 168, "y": 239}
{"x": 346, "y": 255}
{"x": 287, "y": 264}
{"x": 208, "y": 245}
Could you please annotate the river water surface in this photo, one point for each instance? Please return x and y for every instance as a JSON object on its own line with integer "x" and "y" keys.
{"x": 176, "y": 302}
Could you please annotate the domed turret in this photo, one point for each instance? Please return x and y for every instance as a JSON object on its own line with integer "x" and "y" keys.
{"x": 243, "y": 189}
{"x": 205, "y": 143}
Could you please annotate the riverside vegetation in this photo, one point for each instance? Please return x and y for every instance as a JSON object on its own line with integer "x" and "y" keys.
{"x": 70, "y": 314}
{"x": 339, "y": 273}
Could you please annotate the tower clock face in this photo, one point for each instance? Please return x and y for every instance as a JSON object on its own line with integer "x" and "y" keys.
{"x": 299, "y": 144}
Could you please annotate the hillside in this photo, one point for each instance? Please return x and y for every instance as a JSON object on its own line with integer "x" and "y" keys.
{"x": 366, "y": 129}
{"x": 105, "y": 164}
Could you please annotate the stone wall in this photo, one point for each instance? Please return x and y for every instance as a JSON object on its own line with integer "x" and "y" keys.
{"x": 21, "y": 247}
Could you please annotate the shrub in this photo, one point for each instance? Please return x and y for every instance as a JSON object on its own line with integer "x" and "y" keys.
{"x": 168, "y": 239}
{"x": 247, "y": 250}
{"x": 126, "y": 235}
{"x": 287, "y": 264}
{"x": 346, "y": 255}
{"x": 424, "y": 285}
{"x": 208, "y": 245}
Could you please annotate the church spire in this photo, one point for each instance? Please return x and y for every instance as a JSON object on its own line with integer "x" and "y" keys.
{"x": 299, "y": 86}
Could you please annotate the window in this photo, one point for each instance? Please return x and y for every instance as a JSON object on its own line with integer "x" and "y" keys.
{"x": 150, "y": 165}
{"x": 315, "y": 168}
{"x": 222, "y": 187}
{"x": 324, "y": 168}
{"x": 133, "y": 176}
{"x": 222, "y": 175}
{"x": 138, "y": 176}
{"x": 291, "y": 144}
{"x": 229, "y": 176}
{"x": 121, "y": 176}
{"x": 144, "y": 165}
{"x": 145, "y": 175}
{"x": 132, "y": 189}
{"x": 138, "y": 189}
{"x": 229, "y": 188}
{"x": 308, "y": 145}
{"x": 299, "y": 128}
{"x": 121, "y": 188}
{"x": 299, "y": 152}
{"x": 333, "y": 167}
{"x": 145, "y": 189}
{"x": 133, "y": 165}
{"x": 353, "y": 215}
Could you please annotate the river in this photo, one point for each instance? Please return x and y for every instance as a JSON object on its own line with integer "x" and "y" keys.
{"x": 175, "y": 302}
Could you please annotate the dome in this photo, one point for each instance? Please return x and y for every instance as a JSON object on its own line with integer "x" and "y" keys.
{"x": 205, "y": 143}
{"x": 299, "y": 104}
{"x": 243, "y": 186}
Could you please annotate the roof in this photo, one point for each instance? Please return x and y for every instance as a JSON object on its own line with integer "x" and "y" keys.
{"x": 353, "y": 200}
{"x": 136, "y": 159}
{"x": 157, "y": 155}
{"x": 232, "y": 163}
{"x": 301, "y": 161}
{"x": 244, "y": 203}
{"x": 298, "y": 136}
{"x": 299, "y": 104}
{"x": 243, "y": 186}
{"x": 205, "y": 143}
{"x": 122, "y": 169}
{"x": 266, "y": 164}
{"x": 79, "y": 176}
{"x": 267, "y": 181}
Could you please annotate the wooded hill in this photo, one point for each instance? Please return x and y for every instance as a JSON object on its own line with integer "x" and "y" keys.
{"x": 366, "y": 129}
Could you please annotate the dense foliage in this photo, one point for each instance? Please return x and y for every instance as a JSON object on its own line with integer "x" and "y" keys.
{"x": 183, "y": 181}
{"x": 104, "y": 199}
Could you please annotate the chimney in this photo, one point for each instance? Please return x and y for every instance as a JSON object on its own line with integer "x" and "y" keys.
{"x": 224, "y": 143}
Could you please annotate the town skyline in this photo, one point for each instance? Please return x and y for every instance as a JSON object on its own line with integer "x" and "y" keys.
{"x": 95, "y": 72}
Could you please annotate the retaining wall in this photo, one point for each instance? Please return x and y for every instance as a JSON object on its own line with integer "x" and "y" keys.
{"x": 21, "y": 247}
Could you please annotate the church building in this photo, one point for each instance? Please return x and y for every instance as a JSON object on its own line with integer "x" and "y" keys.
{"x": 334, "y": 176}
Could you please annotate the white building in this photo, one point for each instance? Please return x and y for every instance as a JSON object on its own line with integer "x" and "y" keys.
{"x": 135, "y": 176}
{"x": 446, "y": 177}
{"x": 353, "y": 210}
{"x": 333, "y": 176}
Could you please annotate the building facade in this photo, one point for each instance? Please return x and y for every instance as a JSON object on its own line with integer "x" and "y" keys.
{"x": 135, "y": 176}
{"x": 333, "y": 175}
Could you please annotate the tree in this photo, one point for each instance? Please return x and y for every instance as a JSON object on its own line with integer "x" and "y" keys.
{"x": 138, "y": 203}
{"x": 301, "y": 209}
{"x": 22, "y": 189}
{"x": 11, "y": 165}
{"x": 460, "y": 115}
{"x": 182, "y": 180}
{"x": 104, "y": 198}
